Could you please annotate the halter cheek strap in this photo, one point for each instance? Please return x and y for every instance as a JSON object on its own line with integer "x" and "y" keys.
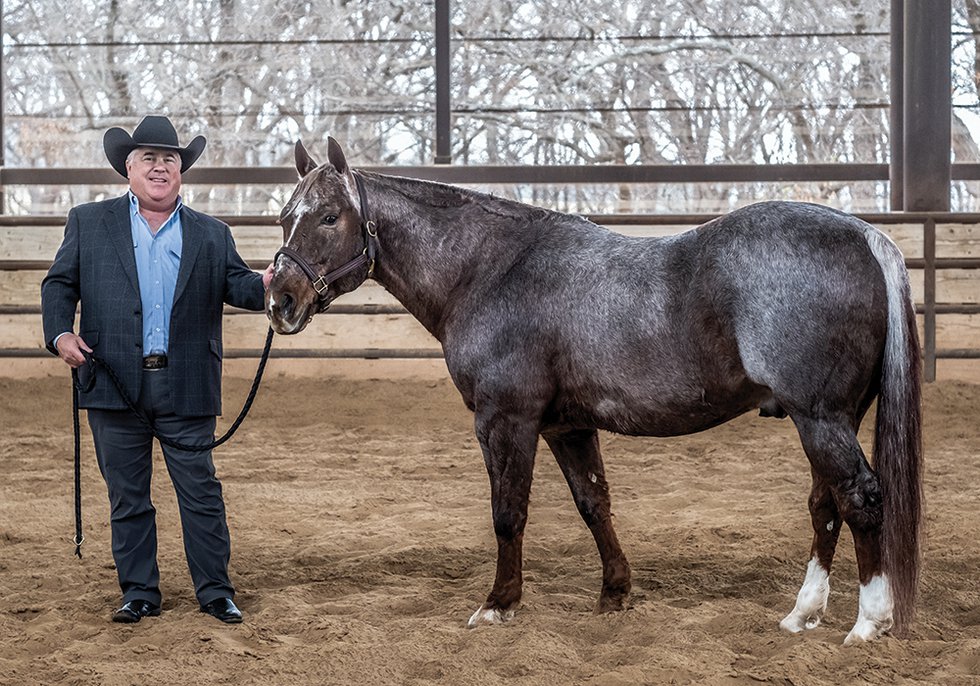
{"x": 369, "y": 225}
{"x": 321, "y": 283}
{"x": 367, "y": 256}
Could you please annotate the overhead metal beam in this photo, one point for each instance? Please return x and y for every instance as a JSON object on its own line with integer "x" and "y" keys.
{"x": 491, "y": 174}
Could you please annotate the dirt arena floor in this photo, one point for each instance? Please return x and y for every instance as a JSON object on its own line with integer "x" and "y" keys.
{"x": 362, "y": 542}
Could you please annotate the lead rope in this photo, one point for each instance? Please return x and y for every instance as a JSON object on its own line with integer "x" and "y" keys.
{"x": 97, "y": 362}
{"x": 78, "y": 539}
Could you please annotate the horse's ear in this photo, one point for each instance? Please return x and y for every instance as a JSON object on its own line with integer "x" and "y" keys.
{"x": 335, "y": 155}
{"x": 304, "y": 163}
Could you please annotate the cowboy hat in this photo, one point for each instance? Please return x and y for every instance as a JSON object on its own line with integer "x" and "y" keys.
{"x": 152, "y": 132}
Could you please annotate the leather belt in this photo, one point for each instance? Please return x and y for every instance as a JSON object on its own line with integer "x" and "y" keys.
{"x": 154, "y": 362}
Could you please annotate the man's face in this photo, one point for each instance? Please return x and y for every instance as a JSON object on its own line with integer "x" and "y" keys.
{"x": 154, "y": 177}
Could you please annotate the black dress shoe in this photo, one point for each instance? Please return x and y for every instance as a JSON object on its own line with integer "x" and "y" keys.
{"x": 134, "y": 611}
{"x": 223, "y": 609}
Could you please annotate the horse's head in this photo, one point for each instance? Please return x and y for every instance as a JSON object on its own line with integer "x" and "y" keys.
{"x": 324, "y": 239}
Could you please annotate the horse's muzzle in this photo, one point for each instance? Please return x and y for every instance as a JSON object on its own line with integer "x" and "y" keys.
{"x": 286, "y": 314}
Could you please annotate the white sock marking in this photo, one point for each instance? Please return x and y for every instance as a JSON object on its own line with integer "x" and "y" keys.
{"x": 811, "y": 601}
{"x": 875, "y": 610}
{"x": 485, "y": 617}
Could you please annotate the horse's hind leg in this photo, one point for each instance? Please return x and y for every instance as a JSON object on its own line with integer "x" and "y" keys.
{"x": 509, "y": 442}
{"x": 811, "y": 602}
{"x": 578, "y": 456}
{"x": 835, "y": 454}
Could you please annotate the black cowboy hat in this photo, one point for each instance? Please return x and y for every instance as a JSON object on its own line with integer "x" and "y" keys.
{"x": 152, "y": 132}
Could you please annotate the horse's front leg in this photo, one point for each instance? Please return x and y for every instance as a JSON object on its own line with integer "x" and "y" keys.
{"x": 508, "y": 441}
{"x": 577, "y": 453}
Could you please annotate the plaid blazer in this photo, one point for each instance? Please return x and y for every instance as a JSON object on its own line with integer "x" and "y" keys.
{"x": 97, "y": 266}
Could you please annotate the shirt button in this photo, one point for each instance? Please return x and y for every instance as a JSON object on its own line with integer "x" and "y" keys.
{"x": 157, "y": 306}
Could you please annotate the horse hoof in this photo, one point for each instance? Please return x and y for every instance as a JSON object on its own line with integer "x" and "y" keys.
{"x": 484, "y": 617}
{"x": 613, "y": 603}
{"x": 865, "y": 630}
{"x": 796, "y": 623}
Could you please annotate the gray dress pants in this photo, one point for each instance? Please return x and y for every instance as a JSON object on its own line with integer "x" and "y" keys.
{"x": 124, "y": 449}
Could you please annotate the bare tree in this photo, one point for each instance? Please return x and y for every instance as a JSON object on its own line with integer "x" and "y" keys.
{"x": 544, "y": 82}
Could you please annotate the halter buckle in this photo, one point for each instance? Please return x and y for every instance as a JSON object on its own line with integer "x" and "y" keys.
{"x": 320, "y": 286}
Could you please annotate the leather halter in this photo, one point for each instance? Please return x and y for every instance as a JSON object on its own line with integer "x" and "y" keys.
{"x": 367, "y": 256}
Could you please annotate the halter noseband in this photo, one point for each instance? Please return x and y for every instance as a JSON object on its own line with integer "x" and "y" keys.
{"x": 367, "y": 256}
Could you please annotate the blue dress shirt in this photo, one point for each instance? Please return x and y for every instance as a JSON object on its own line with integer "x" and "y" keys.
{"x": 157, "y": 264}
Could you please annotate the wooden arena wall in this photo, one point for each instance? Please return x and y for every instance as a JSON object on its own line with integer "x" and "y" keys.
{"x": 369, "y": 323}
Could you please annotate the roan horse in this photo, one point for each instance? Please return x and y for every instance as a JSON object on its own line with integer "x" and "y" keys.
{"x": 556, "y": 327}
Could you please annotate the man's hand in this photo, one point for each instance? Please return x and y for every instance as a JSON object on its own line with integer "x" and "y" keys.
{"x": 70, "y": 349}
{"x": 267, "y": 275}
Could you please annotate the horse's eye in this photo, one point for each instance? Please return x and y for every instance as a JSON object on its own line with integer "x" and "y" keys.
{"x": 330, "y": 219}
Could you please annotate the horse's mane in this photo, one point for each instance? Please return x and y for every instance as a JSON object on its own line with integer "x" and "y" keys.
{"x": 442, "y": 196}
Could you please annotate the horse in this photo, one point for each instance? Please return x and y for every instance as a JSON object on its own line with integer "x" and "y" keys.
{"x": 556, "y": 327}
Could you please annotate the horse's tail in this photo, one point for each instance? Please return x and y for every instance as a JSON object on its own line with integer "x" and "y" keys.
{"x": 897, "y": 454}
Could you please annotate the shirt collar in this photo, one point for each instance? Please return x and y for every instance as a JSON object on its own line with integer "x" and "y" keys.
{"x": 134, "y": 205}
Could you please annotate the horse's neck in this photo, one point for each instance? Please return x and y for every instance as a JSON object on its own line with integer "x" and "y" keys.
{"x": 428, "y": 248}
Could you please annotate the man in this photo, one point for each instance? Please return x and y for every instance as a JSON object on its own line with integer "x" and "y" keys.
{"x": 152, "y": 276}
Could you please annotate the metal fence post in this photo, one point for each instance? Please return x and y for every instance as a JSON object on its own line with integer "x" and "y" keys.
{"x": 896, "y": 123}
{"x": 929, "y": 297}
{"x": 927, "y": 106}
{"x": 3, "y": 138}
{"x": 444, "y": 145}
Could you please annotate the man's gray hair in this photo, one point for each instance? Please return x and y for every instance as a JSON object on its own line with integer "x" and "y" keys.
{"x": 129, "y": 157}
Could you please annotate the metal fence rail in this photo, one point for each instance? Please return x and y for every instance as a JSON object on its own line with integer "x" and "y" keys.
{"x": 929, "y": 263}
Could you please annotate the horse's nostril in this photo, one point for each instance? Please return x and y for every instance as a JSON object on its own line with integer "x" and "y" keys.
{"x": 286, "y": 305}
